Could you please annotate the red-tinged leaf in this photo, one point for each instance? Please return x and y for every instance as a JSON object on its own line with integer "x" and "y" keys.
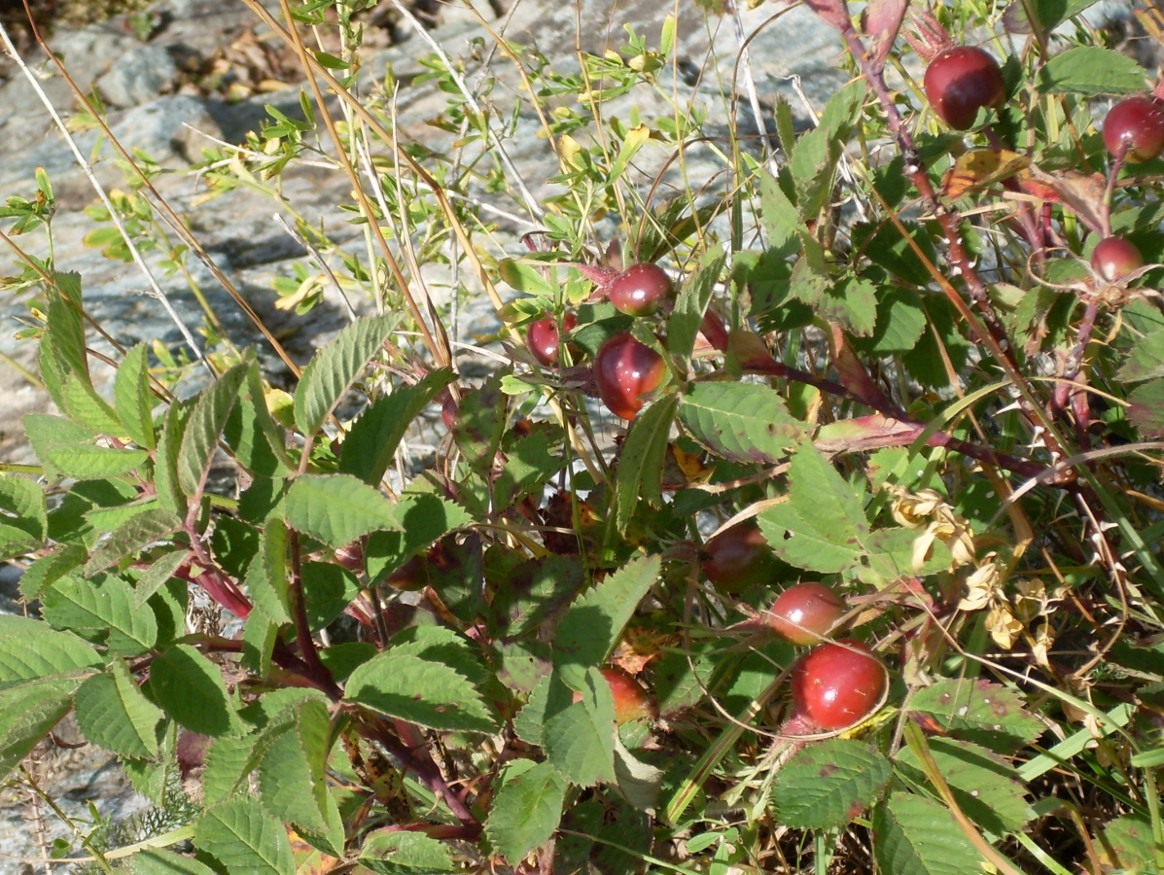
{"x": 833, "y": 12}
{"x": 881, "y": 21}
{"x": 865, "y": 433}
{"x": 981, "y": 168}
{"x": 1146, "y": 410}
{"x": 852, "y": 373}
{"x": 1079, "y": 192}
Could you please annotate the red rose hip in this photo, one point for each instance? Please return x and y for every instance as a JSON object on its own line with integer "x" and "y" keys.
{"x": 1114, "y": 257}
{"x": 804, "y": 613}
{"x": 543, "y": 338}
{"x": 838, "y": 684}
{"x": 631, "y": 700}
{"x": 1137, "y": 126}
{"x": 639, "y": 290}
{"x": 626, "y": 372}
{"x": 737, "y": 558}
{"x": 961, "y": 81}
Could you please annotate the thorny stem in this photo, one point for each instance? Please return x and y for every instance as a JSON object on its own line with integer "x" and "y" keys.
{"x": 918, "y": 175}
{"x": 202, "y": 571}
{"x": 307, "y": 649}
{"x": 1071, "y": 368}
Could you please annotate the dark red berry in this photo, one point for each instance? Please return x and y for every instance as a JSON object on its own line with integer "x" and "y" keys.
{"x": 838, "y": 684}
{"x": 1137, "y": 126}
{"x": 626, "y": 373}
{"x": 639, "y": 290}
{"x": 804, "y": 613}
{"x": 544, "y": 339}
{"x": 738, "y": 557}
{"x": 961, "y": 81}
{"x": 1114, "y": 257}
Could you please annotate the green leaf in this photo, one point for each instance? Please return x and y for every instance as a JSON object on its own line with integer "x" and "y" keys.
{"x": 334, "y": 368}
{"x": 50, "y": 568}
{"x": 889, "y": 557}
{"x": 443, "y": 645}
{"x": 638, "y": 782}
{"x": 1146, "y": 409}
{"x": 257, "y": 441}
{"x": 73, "y": 603}
{"x": 900, "y": 322}
{"x": 89, "y": 462}
{"x": 987, "y": 788}
{"x": 1091, "y": 70}
{"x": 1049, "y": 13}
{"x": 526, "y": 809}
{"x": 259, "y": 636}
{"x": 743, "y": 422}
{"x": 131, "y": 537}
{"x": 917, "y": 836}
{"x": 337, "y": 508}
{"x": 229, "y": 763}
{"x": 191, "y": 690}
{"x": 204, "y": 426}
{"x": 158, "y": 575}
{"x": 815, "y": 155}
{"x": 131, "y": 392}
{"x": 27, "y": 714}
{"x": 593, "y": 625}
{"x": 112, "y": 713}
{"x": 640, "y": 465}
{"x": 46, "y": 432}
{"x": 426, "y": 693}
{"x": 371, "y": 444}
{"x": 159, "y": 861}
{"x": 804, "y": 536}
{"x": 245, "y": 838}
{"x": 979, "y": 711}
{"x": 396, "y": 852}
{"x": 690, "y": 305}
{"x": 828, "y": 783}
{"x": 579, "y": 730}
{"x": 530, "y": 461}
{"x": 1146, "y": 359}
{"x": 849, "y": 302}
{"x": 170, "y": 494}
{"x": 293, "y": 779}
{"x": 779, "y": 216}
{"x": 85, "y": 407}
{"x": 1129, "y": 846}
{"x": 64, "y": 338}
{"x": 31, "y": 649}
{"x": 421, "y": 520}
{"x": 23, "y": 515}
{"x": 267, "y": 580}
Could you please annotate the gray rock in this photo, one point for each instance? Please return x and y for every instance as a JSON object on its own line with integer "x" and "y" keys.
{"x": 139, "y": 76}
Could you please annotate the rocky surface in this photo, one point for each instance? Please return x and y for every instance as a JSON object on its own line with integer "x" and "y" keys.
{"x": 200, "y": 74}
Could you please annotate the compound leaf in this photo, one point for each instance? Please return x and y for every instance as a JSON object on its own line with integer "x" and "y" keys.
{"x": 827, "y": 784}
{"x": 334, "y": 368}
{"x": 526, "y": 809}
{"x": 190, "y": 688}
{"x": 744, "y": 422}
{"x": 114, "y": 714}
{"x": 918, "y": 836}
{"x": 337, "y": 508}
{"x": 426, "y": 693}
{"x": 243, "y": 837}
